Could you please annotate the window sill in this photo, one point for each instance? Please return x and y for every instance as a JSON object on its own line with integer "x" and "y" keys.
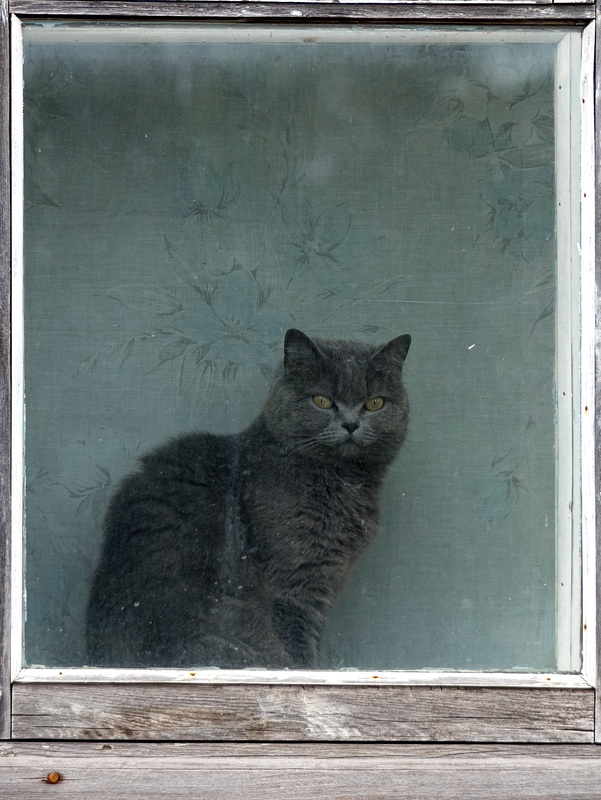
{"x": 294, "y": 771}
{"x": 76, "y": 705}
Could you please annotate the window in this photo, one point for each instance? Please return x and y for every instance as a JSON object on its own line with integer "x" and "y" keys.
{"x": 191, "y": 191}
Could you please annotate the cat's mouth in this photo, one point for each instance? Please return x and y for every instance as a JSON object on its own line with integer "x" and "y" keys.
{"x": 350, "y": 444}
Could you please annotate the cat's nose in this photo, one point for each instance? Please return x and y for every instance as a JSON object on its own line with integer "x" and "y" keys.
{"x": 350, "y": 425}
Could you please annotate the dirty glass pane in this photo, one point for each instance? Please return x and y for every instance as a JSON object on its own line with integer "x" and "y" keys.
{"x": 191, "y": 193}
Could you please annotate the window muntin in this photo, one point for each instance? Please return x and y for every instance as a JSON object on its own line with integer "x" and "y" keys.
{"x": 475, "y": 129}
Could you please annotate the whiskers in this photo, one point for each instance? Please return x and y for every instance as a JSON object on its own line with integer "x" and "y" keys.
{"x": 369, "y": 436}
{"x": 323, "y": 438}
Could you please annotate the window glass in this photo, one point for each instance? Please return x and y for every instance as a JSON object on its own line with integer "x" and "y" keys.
{"x": 193, "y": 192}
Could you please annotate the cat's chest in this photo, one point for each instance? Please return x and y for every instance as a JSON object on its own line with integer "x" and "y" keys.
{"x": 297, "y": 513}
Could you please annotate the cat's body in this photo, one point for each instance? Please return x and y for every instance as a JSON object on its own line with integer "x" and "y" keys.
{"x": 228, "y": 550}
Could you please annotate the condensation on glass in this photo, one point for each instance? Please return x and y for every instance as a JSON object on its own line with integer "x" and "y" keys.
{"x": 193, "y": 191}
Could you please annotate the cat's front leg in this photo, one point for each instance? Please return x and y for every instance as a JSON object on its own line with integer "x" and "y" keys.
{"x": 299, "y": 627}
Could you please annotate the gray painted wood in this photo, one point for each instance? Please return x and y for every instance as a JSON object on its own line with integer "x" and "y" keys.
{"x": 259, "y": 772}
{"x": 459, "y": 11}
{"x": 193, "y": 712}
{"x": 5, "y": 272}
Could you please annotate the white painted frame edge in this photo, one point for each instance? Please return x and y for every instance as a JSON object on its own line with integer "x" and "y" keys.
{"x": 587, "y": 355}
{"x": 425, "y": 677}
{"x": 17, "y": 349}
{"x": 509, "y": 680}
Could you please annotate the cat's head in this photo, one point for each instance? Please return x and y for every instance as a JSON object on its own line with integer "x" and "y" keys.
{"x": 339, "y": 400}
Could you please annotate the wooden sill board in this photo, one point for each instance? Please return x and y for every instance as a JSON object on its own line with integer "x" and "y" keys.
{"x": 125, "y": 771}
{"x": 200, "y": 712}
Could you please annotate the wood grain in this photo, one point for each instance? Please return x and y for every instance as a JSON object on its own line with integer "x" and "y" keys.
{"x": 490, "y": 11}
{"x": 196, "y": 712}
{"x": 329, "y": 772}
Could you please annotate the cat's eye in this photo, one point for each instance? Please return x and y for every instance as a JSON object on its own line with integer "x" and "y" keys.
{"x": 321, "y": 401}
{"x": 375, "y": 404}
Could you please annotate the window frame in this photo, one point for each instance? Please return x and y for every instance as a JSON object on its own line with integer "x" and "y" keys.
{"x": 409, "y": 707}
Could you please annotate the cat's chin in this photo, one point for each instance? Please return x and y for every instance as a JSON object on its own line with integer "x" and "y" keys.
{"x": 348, "y": 450}
{"x": 374, "y": 454}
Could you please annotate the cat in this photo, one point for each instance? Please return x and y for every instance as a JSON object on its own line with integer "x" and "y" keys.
{"x": 228, "y": 550}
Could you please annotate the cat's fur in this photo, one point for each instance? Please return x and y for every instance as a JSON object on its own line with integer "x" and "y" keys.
{"x": 228, "y": 550}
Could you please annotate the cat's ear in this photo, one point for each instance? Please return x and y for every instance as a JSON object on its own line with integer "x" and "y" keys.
{"x": 396, "y": 350}
{"x": 299, "y": 349}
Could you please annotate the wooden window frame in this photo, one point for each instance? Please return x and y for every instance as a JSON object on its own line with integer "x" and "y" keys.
{"x": 541, "y": 728}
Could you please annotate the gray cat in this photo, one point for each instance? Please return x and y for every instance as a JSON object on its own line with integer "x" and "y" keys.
{"x": 227, "y": 551}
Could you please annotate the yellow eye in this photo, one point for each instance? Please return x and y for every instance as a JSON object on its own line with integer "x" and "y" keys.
{"x": 375, "y": 404}
{"x": 321, "y": 401}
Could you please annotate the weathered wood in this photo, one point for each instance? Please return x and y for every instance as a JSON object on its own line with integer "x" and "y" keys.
{"x": 196, "y": 712}
{"x": 490, "y": 11}
{"x": 481, "y": 680}
{"x": 5, "y": 273}
{"x": 328, "y": 772}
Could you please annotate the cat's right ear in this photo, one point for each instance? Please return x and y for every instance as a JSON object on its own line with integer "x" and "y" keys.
{"x": 299, "y": 349}
{"x": 396, "y": 350}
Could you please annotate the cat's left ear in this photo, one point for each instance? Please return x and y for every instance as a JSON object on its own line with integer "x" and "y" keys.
{"x": 396, "y": 350}
{"x": 299, "y": 349}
